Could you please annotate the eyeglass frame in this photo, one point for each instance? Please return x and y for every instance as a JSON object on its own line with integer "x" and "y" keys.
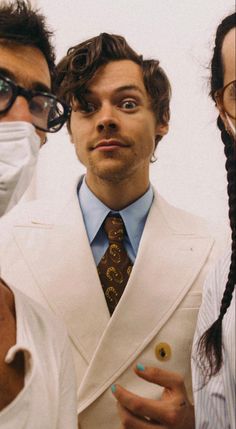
{"x": 218, "y": 95}
{"x": 28, "y": 94}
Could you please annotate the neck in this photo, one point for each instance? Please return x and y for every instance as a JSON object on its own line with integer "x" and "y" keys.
{"x": 117, "y": 195}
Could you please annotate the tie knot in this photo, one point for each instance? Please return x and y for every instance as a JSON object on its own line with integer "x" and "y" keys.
{"x": 114, "y": 228}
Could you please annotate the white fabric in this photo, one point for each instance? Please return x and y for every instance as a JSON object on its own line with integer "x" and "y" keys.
{"x": 48, "y": 399}
{"x": 48, "y": 257}
{"x": 215, "y": 403}
{"x": 19, "y": 147}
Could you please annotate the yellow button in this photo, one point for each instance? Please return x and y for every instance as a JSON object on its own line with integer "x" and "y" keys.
{"x": 163, "y": 351}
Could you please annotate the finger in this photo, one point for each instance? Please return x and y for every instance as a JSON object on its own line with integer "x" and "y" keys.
{"x": 129, "y": 421}
{"x": 168, "y": 379}
{"x": 162, "y": 412}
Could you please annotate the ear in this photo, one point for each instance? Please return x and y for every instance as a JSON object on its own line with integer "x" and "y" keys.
{"x": 162, "y": 129}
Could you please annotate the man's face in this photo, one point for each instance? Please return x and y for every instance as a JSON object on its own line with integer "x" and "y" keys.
{"x": 27, "y": 67}
{"x": 115, "y": 137}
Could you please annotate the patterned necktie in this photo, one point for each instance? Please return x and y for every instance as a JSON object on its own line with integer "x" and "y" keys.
{"x": 115, "y": 266}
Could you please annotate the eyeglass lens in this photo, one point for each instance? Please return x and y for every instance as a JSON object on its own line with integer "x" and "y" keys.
{"x": 44, "y": 109}
{"x": 47, "y": 112}
{"x": 6, "y": 94}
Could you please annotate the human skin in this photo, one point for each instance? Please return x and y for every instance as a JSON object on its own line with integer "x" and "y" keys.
{"x": 115, "y": 138}
{"x": 26, "y": 66}
{"x": 172, "y": 411}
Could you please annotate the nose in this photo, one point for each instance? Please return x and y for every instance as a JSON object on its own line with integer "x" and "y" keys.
{"x": 107, "y": 120}
{"x": 19, "y": 111}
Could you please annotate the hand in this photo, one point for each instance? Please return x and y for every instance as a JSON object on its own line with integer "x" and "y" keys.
{"x": 172, "y": 411}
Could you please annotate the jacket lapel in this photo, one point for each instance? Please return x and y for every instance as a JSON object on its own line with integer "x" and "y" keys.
{"x": 61, "y": 261}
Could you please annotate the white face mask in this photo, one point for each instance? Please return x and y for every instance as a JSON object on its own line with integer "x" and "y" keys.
{"x": 19, "y": 147}
{"x": 232, "y": 126}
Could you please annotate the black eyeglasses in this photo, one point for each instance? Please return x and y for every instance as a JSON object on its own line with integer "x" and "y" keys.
{"x": 227, "y": 98}
{"x": 48, "y": 113}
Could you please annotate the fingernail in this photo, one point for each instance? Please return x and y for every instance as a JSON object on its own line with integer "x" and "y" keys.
{"x": 113, "y": 388}
{"x": 140, "y": 367}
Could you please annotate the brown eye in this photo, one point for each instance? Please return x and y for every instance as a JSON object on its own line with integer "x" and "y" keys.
{"x": 87, "y": 108}
{"x": 90, "y": 107}
{"x": 128, "y": 104}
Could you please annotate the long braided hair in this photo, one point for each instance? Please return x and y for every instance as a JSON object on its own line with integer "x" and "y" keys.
{"x": 210, "y": 344}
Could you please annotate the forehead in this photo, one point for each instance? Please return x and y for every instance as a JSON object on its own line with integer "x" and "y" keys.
{"x": 27, "y": 64}
{"x": 115, "y": 75}
{"x": 229, "y": 56}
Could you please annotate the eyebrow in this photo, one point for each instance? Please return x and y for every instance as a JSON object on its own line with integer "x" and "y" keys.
{"x": 36, "y": 86}
{"x": 121, "y": 89}
{"x": 129, "y": 88}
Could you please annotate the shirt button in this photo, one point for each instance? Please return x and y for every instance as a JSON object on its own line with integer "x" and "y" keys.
{"x": 163, "y": 352}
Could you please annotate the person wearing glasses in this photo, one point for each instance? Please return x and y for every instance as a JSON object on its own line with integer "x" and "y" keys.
{"x": 28, "y": 110}
{"x": 214, "y": 346}
{"x": 38, "y": 112}
{"x": 37, "y": 380}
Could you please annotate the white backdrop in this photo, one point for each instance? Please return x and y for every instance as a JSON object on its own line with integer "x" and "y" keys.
{"x": 190, "y": 170}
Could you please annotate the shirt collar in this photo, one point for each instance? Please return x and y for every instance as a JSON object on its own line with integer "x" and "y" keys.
{"x": 93, "y": 210}
{"x": 134, "y": 216}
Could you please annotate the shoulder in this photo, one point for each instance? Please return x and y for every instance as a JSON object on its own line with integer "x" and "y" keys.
{"x": 216, "y": 280}
{"x": 213, "y": 289}
{"x": 183, "y": 222}
{"x": 22, "y": 215}
{"x": 42, "y": 206}
{"x": 179, "y": 219}
{"x": 37, "y": 211}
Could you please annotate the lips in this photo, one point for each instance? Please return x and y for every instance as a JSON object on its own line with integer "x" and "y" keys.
{"x": 109, "y": 144}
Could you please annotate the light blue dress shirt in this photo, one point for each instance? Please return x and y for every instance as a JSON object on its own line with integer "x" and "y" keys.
{"x": 94, "y": 213}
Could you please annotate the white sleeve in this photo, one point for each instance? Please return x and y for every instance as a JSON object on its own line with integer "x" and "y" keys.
{"x": 210, "y": 400}
{"x": 67, "y": 416}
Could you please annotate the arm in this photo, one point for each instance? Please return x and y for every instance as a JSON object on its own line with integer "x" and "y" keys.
{"x": 172, "y": 411}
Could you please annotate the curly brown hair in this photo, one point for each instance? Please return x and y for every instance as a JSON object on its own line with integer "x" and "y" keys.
{"x": 80, "y": 65}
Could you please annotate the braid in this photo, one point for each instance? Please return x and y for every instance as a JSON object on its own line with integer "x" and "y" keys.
{"x": 210, "y": 344}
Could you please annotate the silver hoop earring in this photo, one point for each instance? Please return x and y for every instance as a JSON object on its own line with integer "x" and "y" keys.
{"x": 153, "y": 158}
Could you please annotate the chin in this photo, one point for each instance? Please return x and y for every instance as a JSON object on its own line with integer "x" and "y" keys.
{"x": 112, "y": 175}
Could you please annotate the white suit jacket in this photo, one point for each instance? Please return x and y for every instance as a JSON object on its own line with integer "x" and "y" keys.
{"x": 49, "y": 258}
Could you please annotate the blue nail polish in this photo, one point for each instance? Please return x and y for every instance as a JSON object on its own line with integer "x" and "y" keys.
{"x": 140, "y": 367}
{"x": 113, "y": 388}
